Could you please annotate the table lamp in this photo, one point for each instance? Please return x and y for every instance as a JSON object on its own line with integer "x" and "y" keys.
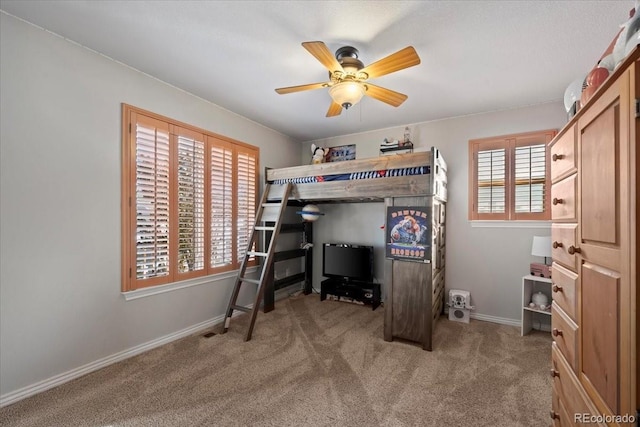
{"x": 541, "y": 247}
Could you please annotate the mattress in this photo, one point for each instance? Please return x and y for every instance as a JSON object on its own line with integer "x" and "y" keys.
{"x": 417, "y": 170}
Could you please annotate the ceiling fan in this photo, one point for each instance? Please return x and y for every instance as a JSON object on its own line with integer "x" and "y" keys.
{"x": 348, "y": 77}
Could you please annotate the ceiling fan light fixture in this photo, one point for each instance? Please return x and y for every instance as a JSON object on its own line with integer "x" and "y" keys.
{"x": 347, "y": 94}
{"x": 348, "y": 77}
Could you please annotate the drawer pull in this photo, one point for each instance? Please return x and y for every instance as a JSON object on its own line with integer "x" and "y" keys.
{"x": 557, "y": 245}
{"x": 557, "y": 201}
{"x": 556, "y": 288}
{"x": 555, "y": 332}
{"x": 554, "y": 415}
{"x": 557, "y": 157}
{"x": 554, "y": 373}
{"x": 573, "y": 250}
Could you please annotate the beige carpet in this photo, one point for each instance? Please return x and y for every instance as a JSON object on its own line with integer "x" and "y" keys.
{"x": 313, "y": 363}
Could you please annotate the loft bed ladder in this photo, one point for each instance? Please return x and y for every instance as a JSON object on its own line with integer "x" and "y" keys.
{"x": 270, "y": 213}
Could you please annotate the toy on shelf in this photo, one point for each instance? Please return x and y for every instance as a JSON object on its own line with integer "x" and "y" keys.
{"x": 624, "y": 42}
{"x": 540, "y": 301}
{"x": 318, "y": 154}
{"x": 394, "y": 146}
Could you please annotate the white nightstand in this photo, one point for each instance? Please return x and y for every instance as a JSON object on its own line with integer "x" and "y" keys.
{"x": 530, "y": 285}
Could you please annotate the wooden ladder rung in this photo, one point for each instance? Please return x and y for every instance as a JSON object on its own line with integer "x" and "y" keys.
{"x": 268, "y": 256}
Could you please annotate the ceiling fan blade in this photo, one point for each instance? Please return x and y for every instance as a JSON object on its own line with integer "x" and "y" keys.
{"x": 291, "y": 89}
{"x": 404, "y": 58}
{"x": 334, "y": 109}
{"x": 324, "y": 55}
{"x": 385, "y": 95}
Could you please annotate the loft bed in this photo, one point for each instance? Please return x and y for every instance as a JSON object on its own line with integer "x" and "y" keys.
{"x": 414, "y": 297}
{"x": 373, "y": 179}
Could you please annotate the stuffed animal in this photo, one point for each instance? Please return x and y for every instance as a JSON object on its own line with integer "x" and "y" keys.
{"x": 318, "y": 154}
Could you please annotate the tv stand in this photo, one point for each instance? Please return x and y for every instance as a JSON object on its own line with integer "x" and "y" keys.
{"x": 365, "y": 292}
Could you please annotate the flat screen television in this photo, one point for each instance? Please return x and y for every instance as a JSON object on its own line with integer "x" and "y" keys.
{"x": 349, "y": 262}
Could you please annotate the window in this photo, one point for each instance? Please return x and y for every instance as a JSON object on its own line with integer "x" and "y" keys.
{"x": 188, "y": 200}
{"x": 509, "y": 177}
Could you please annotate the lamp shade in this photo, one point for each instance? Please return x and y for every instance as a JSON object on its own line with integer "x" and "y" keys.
{"x": 541, "y": 246}
{"x": 347, "y": 93}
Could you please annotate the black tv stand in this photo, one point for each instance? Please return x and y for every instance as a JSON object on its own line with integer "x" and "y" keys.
{"x": 365, "y": 292}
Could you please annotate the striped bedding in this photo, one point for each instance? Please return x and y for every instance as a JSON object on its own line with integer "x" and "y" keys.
{"x": 418, "y": 170}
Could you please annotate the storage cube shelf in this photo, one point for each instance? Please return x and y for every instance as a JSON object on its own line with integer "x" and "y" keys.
{"x": 530, "y": 285}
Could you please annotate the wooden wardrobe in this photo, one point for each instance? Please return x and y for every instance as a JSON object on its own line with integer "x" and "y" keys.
{"x": 595, "y": 256}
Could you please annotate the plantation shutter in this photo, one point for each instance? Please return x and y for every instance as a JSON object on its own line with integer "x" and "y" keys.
{"x": 191, "y": 201}
{"x": 530, "y": 179}
{"x": 152, "y": 201}
{"x": 188, "y": 200}
{"x": 221, "y": 234}
{"x": 491, "y": 181}
{"x": 509, "y": 177}
{"x": 246, "y": 197}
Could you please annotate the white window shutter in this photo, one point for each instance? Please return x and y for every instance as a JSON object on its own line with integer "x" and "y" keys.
{"x": 221, "y": 173}
{"x": 247, "y": 191}
{"x": 191, "y": 204}
{"x": 152, "y": 202}
{"x": 530, "y": 178}
{"x": 491, "y": 181}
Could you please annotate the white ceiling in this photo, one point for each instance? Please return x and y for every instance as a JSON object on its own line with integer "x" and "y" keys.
{"x": 477, "y": 56}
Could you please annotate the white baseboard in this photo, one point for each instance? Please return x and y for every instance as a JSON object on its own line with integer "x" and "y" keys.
{"x": 39, "y": 387}
{"x": 492, "y": 319}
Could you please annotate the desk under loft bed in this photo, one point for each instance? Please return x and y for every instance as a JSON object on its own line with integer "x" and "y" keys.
{"x": 414, "y": 291}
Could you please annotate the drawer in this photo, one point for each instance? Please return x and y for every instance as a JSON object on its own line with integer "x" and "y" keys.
{"x": 563, "y": 157}
{"x": 563, "y": 238}
{"x": 570, "y": 393}
{"x": 564, "y": 286}
{"x": 564, "y": 332}
{"x": 555, "y": 406}
{"x": 563, "y": 199}
{"x": 559, "y": 413}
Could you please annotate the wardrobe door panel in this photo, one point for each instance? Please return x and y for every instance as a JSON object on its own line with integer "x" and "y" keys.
{"x": 600, "y": 331}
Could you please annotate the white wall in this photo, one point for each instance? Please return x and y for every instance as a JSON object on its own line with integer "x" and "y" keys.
{"x": 60, "y": 301}
{"x": 487, "y": 261}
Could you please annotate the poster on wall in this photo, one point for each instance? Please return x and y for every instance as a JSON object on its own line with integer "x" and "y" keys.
{"x": 407, "y": 233}
{"x": 341, "y": 153}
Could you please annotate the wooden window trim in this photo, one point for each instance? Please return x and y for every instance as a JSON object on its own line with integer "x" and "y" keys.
{"x": 130, "y": 116}
{"x": 509, "y": 143}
